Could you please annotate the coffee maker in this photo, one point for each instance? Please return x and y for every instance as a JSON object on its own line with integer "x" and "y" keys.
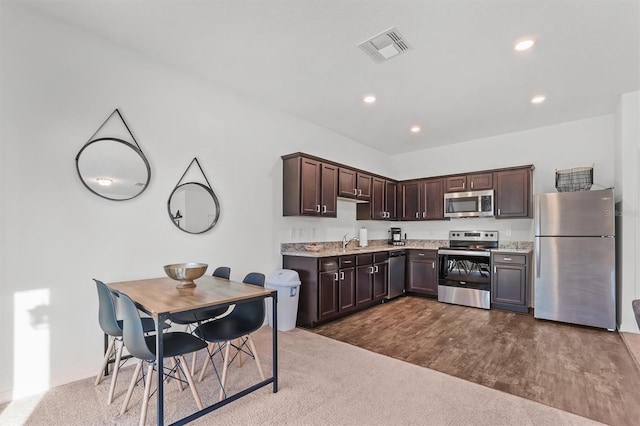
{"x": 395, "y": 237}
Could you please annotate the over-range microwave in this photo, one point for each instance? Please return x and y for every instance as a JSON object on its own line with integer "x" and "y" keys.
{"x": 468, "y": 204}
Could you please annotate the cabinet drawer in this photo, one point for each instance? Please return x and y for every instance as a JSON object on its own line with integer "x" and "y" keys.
{"x": 518, "y": 259}
{"x": 365, "y": 259}
{"x": 423, "y": 254}
{"x": 347, "y": 261}
{"x": 380, "y": 256}
{"x": 328, "y": 264}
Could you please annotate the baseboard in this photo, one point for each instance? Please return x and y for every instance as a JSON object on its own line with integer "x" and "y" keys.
{"x": 6, "y": 395}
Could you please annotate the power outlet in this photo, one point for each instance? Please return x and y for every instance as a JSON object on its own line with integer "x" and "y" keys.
{"x": 507, "y": 232}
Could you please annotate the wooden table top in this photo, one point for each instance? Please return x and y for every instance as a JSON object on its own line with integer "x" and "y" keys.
{"x": 160, "y": 295}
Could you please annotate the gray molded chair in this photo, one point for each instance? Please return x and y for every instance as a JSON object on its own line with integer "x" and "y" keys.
{"x": 190, "y": 318}
{"x": 175, "y": 345}
{"x": 244, "y": 319}
{"x": 112, "y": 327}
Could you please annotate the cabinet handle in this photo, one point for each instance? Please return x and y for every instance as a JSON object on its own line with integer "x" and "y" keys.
{"x": 375, "y": 268}
{"x": 324, "y": 209}
{"x": 424, "y": 215}
{"x": 506, "y": 258}
{"x": 417, "y": 217}
{"x": 317, "y": 208}
{"x": 420, "y": 254}
{"x": 371, "y": 270}
{"x": 342, "y": 275}
{"x": 463, "y": 183}
{"x": 355, "y": 191}
{"x": 335, "y": 276}
{"x": 433, "y": 265}
{"x": 498, "y": 212}
{"x": 495, "y": 270}
{"x": 471, "y": 184}
{"x": 359, "y": 192}
{"x": 347, "y": 261}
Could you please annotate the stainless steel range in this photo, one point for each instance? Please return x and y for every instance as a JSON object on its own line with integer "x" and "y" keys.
{"x": 464, "y": 274}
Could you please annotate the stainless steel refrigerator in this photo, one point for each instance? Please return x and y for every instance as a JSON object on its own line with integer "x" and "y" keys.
{"x": 575, "y": 258}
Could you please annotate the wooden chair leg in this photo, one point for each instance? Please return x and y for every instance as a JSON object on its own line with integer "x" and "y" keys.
{"x": 224, "y": 369}
{"x": 194, "y": 357}
{"x": 105, "y": 361}
{"x": 114, "y": 375}
{"x": 147, "y": 392}
{"x": 192, "y": 385}
{"x": 205, "y": 364}
{"x": 255, "y": 354}
{"x": 127, "y": 398}
{"x": 177, "y": 373}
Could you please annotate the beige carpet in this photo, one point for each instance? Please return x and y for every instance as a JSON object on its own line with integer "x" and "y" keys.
{"x": 322, "y": 382}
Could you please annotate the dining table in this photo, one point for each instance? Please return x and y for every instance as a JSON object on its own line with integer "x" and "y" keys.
{"x": 160, "y": 298}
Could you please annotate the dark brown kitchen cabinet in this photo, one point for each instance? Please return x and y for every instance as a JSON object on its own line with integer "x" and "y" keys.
{"x": 469, "y": 182}
{"x": 513, "y": 193}
{"x": 383, "y": 204}
{"x": 336, "y": 286}
{"x": 422, "y": 272}
{"x": 353, "y": 184}
{"x": 371, "y": 278}
{"x": 510, "y": 281}
{"x": 310, "y": 187}
{"x": 421, "y": 200}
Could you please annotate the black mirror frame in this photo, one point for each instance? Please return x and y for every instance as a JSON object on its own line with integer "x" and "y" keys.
{"x": 136, "y": 149}
{"x": 213, "y": 196}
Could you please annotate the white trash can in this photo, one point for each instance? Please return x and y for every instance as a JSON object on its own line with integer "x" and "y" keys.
{"x": 287, "y": 282}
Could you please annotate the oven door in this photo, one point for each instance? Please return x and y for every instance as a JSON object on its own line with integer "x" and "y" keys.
{"x": 468, "y": 204}
{"x": 465, "y": 268}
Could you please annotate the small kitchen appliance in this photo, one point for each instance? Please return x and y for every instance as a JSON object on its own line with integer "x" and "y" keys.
{"x": 464, "y": 268}
{"x": 395, "y": 237}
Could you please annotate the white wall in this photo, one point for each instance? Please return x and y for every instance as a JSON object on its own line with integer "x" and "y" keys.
{"x": 58, "y": 85}
{"x": 562, "y": 146}
{"x": 628, "y": 219}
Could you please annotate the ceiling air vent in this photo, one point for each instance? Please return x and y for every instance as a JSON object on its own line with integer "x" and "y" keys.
{"x": 385, "y": 45}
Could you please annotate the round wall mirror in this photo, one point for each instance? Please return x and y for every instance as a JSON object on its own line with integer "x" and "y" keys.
{"x": 113, "y": 169}
{"x": 193, "y": 207}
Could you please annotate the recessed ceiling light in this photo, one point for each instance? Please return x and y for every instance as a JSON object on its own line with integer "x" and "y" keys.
{"x": 524, "y": 45}
{"x": 538, "y": 99}
{"x": 415, "y": 129}
{"x": 369, "y": 99}
{"x": 104, "y": 181}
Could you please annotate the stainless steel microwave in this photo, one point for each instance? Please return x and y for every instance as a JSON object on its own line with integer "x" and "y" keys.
{"x": 468, "y": 204}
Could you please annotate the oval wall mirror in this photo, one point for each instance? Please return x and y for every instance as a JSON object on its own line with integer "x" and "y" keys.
{"x": 113, "y": 168}
{"x": 193, "y": 207}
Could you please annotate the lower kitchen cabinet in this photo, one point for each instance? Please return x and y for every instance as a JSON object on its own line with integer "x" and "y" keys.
{"x": 422, "y": 272}
{"x": 510, "y": 281}
{"x": 332, "y": 287}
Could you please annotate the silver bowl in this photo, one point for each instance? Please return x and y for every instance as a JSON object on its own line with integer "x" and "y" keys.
{"x": 185, "y": 273}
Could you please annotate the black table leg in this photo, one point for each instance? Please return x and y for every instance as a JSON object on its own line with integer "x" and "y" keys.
{"x": 274, "y": 302}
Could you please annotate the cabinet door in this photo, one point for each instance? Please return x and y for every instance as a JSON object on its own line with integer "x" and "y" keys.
{"x": 310, "y": 187}
{"x": 378, "y": 210}
{"x": 347, "y": 183}
{"x": 380, "y": 281}
{"x": 329, "y": 184}
{"x": 422, "y": 276}
{"x": 432, "y": 204}
{"x": 480, "y": 181}
{"x": 347, "y": 290}
{"x": 391, "y": 200}
{"x": 513, "y": 193}
{"x": 409, "y": 198}
{"x": 364, "y": 285}
{"x": 509, "y": 284}
{"x": 327, "y": 295}
{"x": 455, "y": 183}
{"x": 363, "y": 186}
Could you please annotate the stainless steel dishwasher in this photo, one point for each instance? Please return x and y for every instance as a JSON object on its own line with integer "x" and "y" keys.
{"x": 396, "y": 274}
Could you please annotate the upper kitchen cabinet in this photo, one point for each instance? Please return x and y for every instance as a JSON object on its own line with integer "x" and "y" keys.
{"x": 513, "y": 193}
{"x": 354, "y": 184}
{"x": 310, "y": 187}
{"x": 421, "y": 200}
{"x": 384, "y": 201}
{"x": 470, "y": 182}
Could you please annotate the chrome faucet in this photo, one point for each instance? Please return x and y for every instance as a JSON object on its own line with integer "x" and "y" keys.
{"x": 345, "y": 242}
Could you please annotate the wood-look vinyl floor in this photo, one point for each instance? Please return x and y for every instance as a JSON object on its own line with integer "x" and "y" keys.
{"x": 581, "y": 370}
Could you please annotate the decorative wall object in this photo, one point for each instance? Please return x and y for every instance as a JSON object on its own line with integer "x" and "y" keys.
{"x": 112, "y": 167}
{"x": 193, "y": 207}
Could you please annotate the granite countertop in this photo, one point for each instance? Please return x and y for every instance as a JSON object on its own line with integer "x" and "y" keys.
{"x": 334, "y": 248}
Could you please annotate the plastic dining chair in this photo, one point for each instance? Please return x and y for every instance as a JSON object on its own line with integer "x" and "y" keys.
{"x": 244, "y": 319}
{"x": 175, "y": 346}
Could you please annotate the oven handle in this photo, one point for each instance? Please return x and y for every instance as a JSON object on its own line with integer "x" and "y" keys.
{"x": 465, "y": 252}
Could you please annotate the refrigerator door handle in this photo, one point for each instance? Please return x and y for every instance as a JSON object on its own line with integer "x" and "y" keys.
{"x": 537, "y": 216}
{"x": 537, "y": 250}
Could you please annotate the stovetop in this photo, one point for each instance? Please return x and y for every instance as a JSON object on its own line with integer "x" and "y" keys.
{"x": 473, "y": 240}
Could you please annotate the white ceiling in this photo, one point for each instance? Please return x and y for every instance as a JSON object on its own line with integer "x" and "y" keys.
{"x": 461, "y": 80}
